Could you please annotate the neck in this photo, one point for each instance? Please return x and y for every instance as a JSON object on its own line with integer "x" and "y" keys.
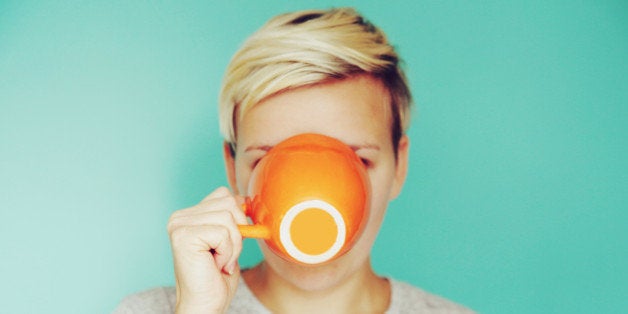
{"x": 362, "y": 291}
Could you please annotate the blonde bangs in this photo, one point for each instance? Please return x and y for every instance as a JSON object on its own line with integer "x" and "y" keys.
{"x": 304, "y": 48}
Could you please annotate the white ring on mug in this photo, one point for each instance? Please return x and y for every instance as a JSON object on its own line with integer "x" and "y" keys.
{"x": 286, "y": 238}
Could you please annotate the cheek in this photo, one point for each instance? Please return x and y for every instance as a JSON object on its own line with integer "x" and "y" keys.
{"x": 381, "y": 182}
{"x": 242, "y": 174}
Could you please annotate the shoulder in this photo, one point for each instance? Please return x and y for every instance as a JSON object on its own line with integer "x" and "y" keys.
{"x": 160, "y": 300}
{"x": 406, "y": 298}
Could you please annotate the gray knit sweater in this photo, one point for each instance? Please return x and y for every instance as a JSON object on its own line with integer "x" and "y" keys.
{"x": 404, "y": 299}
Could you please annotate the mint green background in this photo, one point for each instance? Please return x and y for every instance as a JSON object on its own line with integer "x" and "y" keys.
{"x": 516, "y": 197}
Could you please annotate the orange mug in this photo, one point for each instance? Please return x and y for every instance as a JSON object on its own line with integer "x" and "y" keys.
{"x": 308, "y": 199}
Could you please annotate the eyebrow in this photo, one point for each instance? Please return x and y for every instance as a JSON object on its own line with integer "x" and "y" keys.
{"x": 266, "y": 148}
{"x": 258, "y": 147}
{"x": 365, "y": 146}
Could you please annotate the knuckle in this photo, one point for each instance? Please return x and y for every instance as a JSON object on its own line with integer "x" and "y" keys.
{"x": 226, "y": 216}
{"x": 222, "y": 190}
{"x": 223, "y": 232}
{"x": 178, "y": 235}
{"x": 219, "y": 192}
{"x": 178, "y": 214}
{"x": 173, "y": 222}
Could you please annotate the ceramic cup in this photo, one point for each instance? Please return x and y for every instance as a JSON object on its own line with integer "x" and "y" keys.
{"x": 308, "y": 199}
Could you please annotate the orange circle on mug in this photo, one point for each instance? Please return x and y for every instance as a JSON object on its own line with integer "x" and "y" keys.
{"x": 308, "y": 198}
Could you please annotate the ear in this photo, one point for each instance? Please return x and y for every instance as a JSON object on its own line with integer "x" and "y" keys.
{"x": 230, "y": 166}
{"x": 401, "y": 167}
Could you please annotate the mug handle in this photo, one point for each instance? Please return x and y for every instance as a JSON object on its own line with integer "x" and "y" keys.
{"x": 253, "y": 231}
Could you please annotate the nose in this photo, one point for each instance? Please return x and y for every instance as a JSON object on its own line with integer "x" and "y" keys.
{"x": 313, "y": 231}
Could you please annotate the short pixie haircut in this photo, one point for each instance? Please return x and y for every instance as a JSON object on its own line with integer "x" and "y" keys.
{"x": 305, "y": 48}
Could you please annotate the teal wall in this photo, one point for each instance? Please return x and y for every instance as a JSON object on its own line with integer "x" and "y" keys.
{"x": 516, "y": 200}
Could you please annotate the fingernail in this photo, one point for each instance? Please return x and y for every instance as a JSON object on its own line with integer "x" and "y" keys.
{"x": 231, "y": 268}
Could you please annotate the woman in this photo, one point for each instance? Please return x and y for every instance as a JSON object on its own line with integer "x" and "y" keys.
{"x": 327, "y": 72}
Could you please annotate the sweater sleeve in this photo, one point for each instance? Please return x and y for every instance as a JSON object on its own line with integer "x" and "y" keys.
{"x": 154, "y": 301}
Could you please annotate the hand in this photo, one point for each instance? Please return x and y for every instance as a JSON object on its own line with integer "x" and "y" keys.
{"x": 206, "y": 245}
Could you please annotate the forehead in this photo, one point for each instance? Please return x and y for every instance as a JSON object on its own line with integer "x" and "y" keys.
{"x": 354, "y": 110}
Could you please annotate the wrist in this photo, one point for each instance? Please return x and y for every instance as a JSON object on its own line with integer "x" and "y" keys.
{"x": 187, "y": 306}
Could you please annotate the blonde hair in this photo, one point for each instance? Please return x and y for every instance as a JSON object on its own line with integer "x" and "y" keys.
{"x": 305, "y": 48}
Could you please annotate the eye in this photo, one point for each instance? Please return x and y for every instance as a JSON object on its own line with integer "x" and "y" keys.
{"x": 367, "y": 163}
{"x": 254, "y": 159}
{"x": 255, "y": 162}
